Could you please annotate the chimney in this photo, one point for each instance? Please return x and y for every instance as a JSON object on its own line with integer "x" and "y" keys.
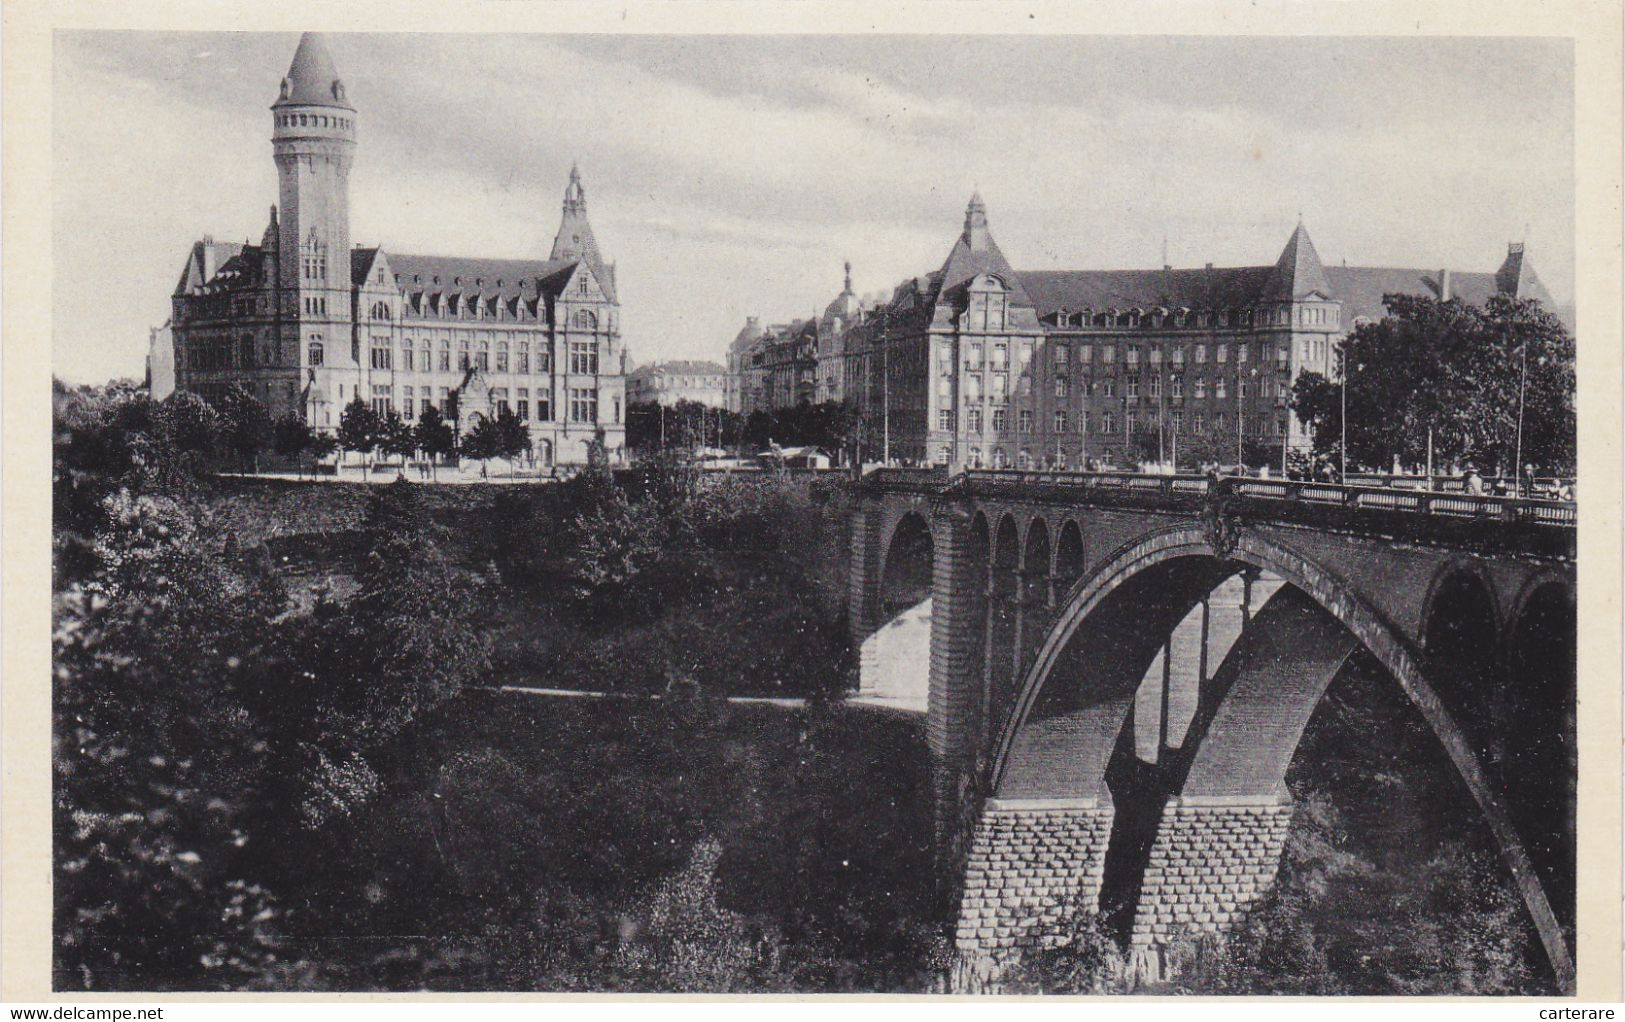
{"x": 1444, "y": 285}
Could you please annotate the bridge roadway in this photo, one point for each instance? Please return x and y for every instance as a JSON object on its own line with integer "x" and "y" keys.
{"x": 1121, "y": 668}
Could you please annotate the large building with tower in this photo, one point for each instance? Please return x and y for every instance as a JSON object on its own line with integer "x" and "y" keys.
{"x": 979, "y": 364}
{"x": 307, "y": 322}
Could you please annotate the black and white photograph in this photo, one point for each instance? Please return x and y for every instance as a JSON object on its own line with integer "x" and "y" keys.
{"x": 820, "y": 512}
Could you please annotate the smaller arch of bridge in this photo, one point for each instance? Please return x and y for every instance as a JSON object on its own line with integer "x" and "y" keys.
{"x": 1386, "y": 643}
{"x": 1035, "y": 557}
{"x": 1069, "y": 556}
{"x": 1455, "y": 572}
{"x": 1518, "y": 607}
{"x": 906, "y": 568}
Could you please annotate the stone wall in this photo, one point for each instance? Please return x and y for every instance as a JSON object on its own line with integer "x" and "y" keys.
{"x": 1029, "y": 867}
{"x": 1210, "y": 864}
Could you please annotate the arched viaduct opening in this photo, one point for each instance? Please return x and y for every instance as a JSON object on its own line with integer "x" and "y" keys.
{"x": 895, "y": 660}
{"x": 1189, "y": 837}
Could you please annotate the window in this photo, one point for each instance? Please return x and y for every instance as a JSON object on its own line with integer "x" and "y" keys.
{"x": 1178, "y": 355}
{"x": 1198, "y": 425}
{"x": 975, "y": 457}
{"x": 1063, "y": 387}
{"x": 425, "y": 358}
{"x": 462, "y": 353}
{"x": 1133, "y": 393}
{"x": 522, "y": 360}
{"x": 585, "y": 320}
{"x": 1060, "y": 422}
{"x": 1024, "y": 354}
{"x": 1156, "y": 386}
{"x": 1001, "y": 420}
{"x": 1132, "y": 355}
{"x": 583, "y": 404}
{"x": 380, "y": 357}
{"x": 1001, "y": 356}
{"x": 1024, "y": 459}
{"x": 583, "y": 287}
{"x": 484, "y": 355}
{"x": 427, "y": 404}
{"x": 544, "y": 405}
{"x": 1221, "y": 353}
{"x": 1084, "y": 353}
{"x": 1024, "y": 422}
{"x": 1241, "y": 387}
{"x": 1218, "y": 423}
{"x": 1063, "y": 357}
{"x": 544, "y": 360}
{"x": 1130, "y": 423}
{"x": 973, "y": 388}
{"x": 944, "y": 454}
{"x": 1201, "y": 354}
{"x": 380, "y": 398}
{"x": 973, "y": 357}
{"x": 1201, "y": 388}
{"x": 1108, "y": 422}
{"x": 1083, "y": 422}
{"x": 1179, "y": 422}
{"x": 315, "y": 351}
{"x": 1241, "y": 353}
{"x": 584, "y": 357}
{"x": 380, "y": 310}
{"x": 1108, "y": 388}
{"x": 1108, "y": 354}
{"x": 973, "y": 420}
{"x": 406, "y": 359}
{"x": 1001, "y": 388}
{"x": 945, "y": 418}
{"x": 522, "y": 404}
{"x": 502, "y": 356}
{"x": 1155, "y": 355}
{"x": 407, "y": 403}
{"x": 499, "y": 399}
{"x": 1218, "y": 388}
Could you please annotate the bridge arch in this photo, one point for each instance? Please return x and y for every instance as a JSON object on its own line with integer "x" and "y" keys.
{"x": 1175, "y": 564}
{"x": 905, "y": 574}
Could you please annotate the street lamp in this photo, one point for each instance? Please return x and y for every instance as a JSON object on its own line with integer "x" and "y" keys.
{"x": 1253, "y": 374}
{"x": 1523, "y": 379}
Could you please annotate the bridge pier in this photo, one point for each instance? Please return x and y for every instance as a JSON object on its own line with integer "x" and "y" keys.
{"x": 1211, "y": 861}
{"x": 863, "y": 597}
{"x": 1032, "y": 864}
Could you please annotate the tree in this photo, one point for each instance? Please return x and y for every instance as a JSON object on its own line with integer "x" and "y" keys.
{"x": 511, "y": 437}
{"x": 359, "y": 427}
{"x": 433, "y": 436}
{"x": 480, "y": 443}
{"x": 1453, "y": 373}
{"x": 291, "y": 437}
{"x": 321, "y": 445}
{"x": 409, "y": 637}
{"x": 395, "y": 436}
{"x": 245, "y": 426}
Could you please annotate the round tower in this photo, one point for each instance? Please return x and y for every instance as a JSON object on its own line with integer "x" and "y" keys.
{"x": 313, "y": 141}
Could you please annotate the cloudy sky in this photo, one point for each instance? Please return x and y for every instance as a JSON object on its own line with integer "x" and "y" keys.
{"x": 731, "y": 176}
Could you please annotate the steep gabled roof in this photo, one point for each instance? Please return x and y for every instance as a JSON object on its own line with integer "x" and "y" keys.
{"x": 1516, "y": 277}
{"x": 1298, "y": 273}
{"x": 976, "y": 253}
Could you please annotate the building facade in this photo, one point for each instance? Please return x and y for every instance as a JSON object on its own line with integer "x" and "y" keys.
{"x": 789, "y": 364}
{"x": 667, "y": 383}
{"x": 978, "y": 364}
{"x": 307, "y": 323}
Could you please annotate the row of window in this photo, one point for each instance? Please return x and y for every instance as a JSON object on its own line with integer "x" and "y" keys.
{"x": 313, "y": 121}
{"x": 1320, "y": 315}
{"x": 997, "y": 356}
{"x": 1107, "y": 387}
{"x": 583, "y": 358}
{"x": 1107, "y": 422}
{"x": 583, "y": 403}
{"x": 479, "y": 307}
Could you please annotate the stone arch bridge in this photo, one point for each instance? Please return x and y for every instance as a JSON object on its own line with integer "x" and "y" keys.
{"x": 1121, "y": 668}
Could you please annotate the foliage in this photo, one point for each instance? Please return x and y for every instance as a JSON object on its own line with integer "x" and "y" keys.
{"x": 408, "y": 640}
{"x": 291, "y": 436}
{"x": 395, "y": 436}
{"x": 1087, "y": 960}
{"x": 359, "y": 427}
{"x": 610, "y": 543}
{"x": 433, "y": 435}
{"x": 683, "y": 941}
{"x": 245, "y": 426}
{"x": 685, "y": 425}
{"x": 160, "y": 764}
{"x": 1458, "y": 371}
{"x": 512, "y": 438}
{"x": 482, "y": 442}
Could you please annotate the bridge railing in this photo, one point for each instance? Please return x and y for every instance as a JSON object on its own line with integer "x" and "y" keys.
{"x": 1387, "y": 498}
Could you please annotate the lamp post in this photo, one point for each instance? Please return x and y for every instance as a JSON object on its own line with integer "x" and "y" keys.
{"x": 1523, "y": 379}
{"x": 1343, "y": 418}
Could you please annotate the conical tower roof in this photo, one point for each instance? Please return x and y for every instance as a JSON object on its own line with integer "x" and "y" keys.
{"x": 312, "y": 78}
{"x": 1298, "y": 272}
{"x": 1516, "y": 277}
{"x": 976, "y": 252}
